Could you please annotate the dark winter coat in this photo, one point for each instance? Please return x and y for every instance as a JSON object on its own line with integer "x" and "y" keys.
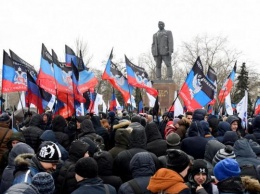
{"x": 142, "y": 168}
{"x": 66, "y": 181}
{"x": 100, "y": 130}
{"x": 155, "y": 143}
{"x": 194, "y": 146}
{"x": 59, "y": 126}
{"x": 137, "y": 144}
{"x": 121, "y": 141}
{"x": 7, "y": 178}
{"x": 93, "y": 185}
{"x": 223, "y": 126}
{"x": 33, "y": 132}
{"x": 230, "y": 185}
{"x": 105, "y": 169}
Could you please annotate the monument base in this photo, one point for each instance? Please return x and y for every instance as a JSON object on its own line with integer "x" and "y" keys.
{"x": 166, "y": 89}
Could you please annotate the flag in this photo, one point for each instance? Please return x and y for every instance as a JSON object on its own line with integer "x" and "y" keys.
{"x": 228, "y": 105}
{"x": 151, "y": 100}
{"x": 70, "y": 56}
{"x": 156, "y": 107}
{"x": 98, "y": 101}
{"x": 8, "y": 74}
{"x": 197, "y": 90}
{"x": 242, "y": 110}
{"x": 178, "y": 109}
{"x": 212, "y": 76}
{"x": 227, "y": 86}
{"x": 132, "y": 102}
{"x": 257, "y": 106}
{"x": 45, "y": 77}
{"x": 112, "y": 103}
{"x": 138, "y": 77}
{"x": 62, "y": 75}
{"x": 33, "y": 94}
{"x": 117, "y": 79}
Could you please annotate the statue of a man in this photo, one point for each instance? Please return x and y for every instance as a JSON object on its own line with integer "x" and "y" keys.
{"x": 162, "y": 49}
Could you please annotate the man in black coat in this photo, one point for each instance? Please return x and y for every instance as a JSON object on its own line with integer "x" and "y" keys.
{"x": 162, "y": 49}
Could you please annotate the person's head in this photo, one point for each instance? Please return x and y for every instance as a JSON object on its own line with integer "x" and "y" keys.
{"x": 45, "y": 118}
{"x": 49, "y": 156}
{"x": 227, "y": 152}
{"x": 44, "y": 182}
{"x": 226, "y": 168}
{"x": 199, "y": 171}
{"x": 161, "y": 25}
{"x": 178, "y": 161}
{"x": 189, "y": 115}
{"x": 233, "y": 121}
{"x": 86, "y": 168}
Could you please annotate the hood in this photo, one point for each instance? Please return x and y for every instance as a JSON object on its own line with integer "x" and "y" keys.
{"x": 205, "y": 127}
{"x": 256, "y": 122}
{"x": 78, "y": 149}
{"x": 243, "y": 149}
{"x": 230, "y": 137}
{"x": 152, "y": 132}
{"x": 199, "y": 115}
{"x": 59, "y": 124}
{"x": 137, "y": 136}
{"x": 142, "y": 164}
{"x": 48, "y": 135}
{"x": 20, "y": 148}
{"x": 122, "y": 124}
{"x": 231, "y": 119}
{"x": 165, "y": 179}
{"x": 15, "y": 136}
{"x": 105, "y": 163}
{"x": 96, "y": 121}
{"x": 87, "y": 126}
{"x": 122, "y": 137}
{"x": 36, "y": 120}
{"x": 196, "y": 129}
{"x": 223, "y": 126}
{"x": 23, "y": 161}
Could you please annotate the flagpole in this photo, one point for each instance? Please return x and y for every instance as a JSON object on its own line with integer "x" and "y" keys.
{"x": 130, "y": 100}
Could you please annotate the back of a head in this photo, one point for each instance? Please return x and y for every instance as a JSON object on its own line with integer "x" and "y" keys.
{"x": 138, "y": 137}
{"x": 86, "y": 168}
{"x": 177, "y": 160}
{"x": 199, "y": 115}
{"x": 223, "y": 153}
{"x": 226, "y": 168}
{"x": 78, "y": 149}
{"x": 230, "y": 137}
{"x": 105, "y": 162}
{"x": 44, "y": 182}
{"x": 59, "y": 123}
{"x": 256, "y": 122}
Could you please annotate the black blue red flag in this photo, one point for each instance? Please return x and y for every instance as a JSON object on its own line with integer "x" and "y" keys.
{"x": 138, "y": 77}
{"x": 197, "y": 90}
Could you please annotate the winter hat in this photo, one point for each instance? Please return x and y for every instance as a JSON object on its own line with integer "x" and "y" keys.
{"x": 49, "y": 153}
{"x": 44, "y": 182}
{"x": 80, "y": 118}
{"x": 59, "y": 123}
{"x": 177, "y": 160}
{"x": 256, "y": 122}
{"x": 199, "y": 166}
{"x": 226, "y": 168}
{"x": 223, "y": 153}
{"x": 175, "y": 120}
{"x": 173, "y": 139}
{"x": 230, "y": 138}
{"x": 86, "y": 167}
{"x": 199, "y": 114}
{"x": 111, "y": 114}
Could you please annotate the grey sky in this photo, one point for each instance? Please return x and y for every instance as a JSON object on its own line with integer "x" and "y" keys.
{"x": 126, "y": 25}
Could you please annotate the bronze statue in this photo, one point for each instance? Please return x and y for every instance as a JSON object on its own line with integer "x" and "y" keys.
{"x": 162, "y": 49}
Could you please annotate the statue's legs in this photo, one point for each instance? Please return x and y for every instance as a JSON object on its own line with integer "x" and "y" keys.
{"x": 158, "y": 61}
{"x": 167, "y": 61}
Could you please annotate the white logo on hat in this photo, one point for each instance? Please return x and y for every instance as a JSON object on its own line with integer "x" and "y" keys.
{"x": 47, "y": 150}
{"x": 202, "y": 170}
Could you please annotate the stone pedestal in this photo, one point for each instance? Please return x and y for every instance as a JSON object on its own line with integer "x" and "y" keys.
{"x": 166, "y": 89}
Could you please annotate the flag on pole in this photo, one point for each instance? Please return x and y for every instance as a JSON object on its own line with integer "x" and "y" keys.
{"x": 227, "y": 86}
{"x": 228, "y": 105}
{"x": 197, "y": 90}
{"x": 242, "y": 110}
{"x": 257, "y": 106}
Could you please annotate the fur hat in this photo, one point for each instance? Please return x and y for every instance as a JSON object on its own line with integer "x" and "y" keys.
{"x": 44, "y": 182}
{"x": 49, "y": 153}
{"x": 173, "y": 139}
{"x": 86, "y": 167}
{"x": 226, "y": 168}
{"x": 177, "y": 160}
{"x": 223, "y": 153}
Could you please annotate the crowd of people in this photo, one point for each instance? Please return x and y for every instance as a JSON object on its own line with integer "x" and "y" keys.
{"x": 114, "y": 153}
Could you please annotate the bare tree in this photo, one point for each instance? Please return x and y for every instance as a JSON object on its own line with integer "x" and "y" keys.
{"x": 82, "y": 46}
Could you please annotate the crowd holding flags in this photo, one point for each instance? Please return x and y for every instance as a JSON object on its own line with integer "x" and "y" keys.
{"x": 73, "y": 85}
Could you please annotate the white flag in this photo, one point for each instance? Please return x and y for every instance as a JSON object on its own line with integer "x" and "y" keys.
{"x": 151, "y": 100}
{"x": 21, "y": 103}
{"x": 178, "y": 109}
{"x": 131, "y": 101}
{"x": 228, "y": 105}
{"x": 98, "y": 101}
{"x": 242, "y": 111}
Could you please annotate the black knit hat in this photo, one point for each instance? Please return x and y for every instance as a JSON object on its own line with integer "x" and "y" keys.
{"x": 177, "y": 160}
{"x": 49, "y": 153}
{"x": 86, "y": 167}
{"x": 199, "y": 166}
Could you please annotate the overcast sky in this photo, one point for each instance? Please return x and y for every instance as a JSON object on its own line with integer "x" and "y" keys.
{"x": 126, "y": 25}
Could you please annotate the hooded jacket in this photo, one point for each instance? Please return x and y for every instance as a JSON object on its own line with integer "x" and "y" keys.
{"x": 142, "y": 168}
{"x": 155, "y": 143}
{"x": 168, "y": 181}
{"x": 33, "y": 132}
{"x": 7, "y": 178}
